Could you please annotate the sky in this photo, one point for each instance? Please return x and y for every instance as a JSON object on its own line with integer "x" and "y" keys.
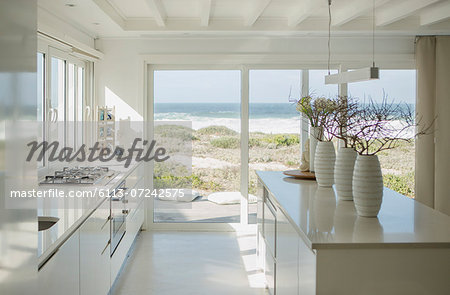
{"x": 268, "y": 86}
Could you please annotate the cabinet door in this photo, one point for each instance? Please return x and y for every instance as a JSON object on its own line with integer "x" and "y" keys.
{"x": 287, "y": 281}
{"x": 95, "y": 252}
{"x": 269, "y": 225}
{"x": 60, "y": 274}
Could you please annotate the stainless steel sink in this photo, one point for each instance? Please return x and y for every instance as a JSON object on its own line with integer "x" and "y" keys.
{"x": 46, "y": 222}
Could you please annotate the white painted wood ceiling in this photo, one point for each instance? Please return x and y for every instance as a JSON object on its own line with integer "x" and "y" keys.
{"x": 109, "y": 18}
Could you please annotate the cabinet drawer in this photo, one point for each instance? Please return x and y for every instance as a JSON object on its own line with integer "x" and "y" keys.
{"x": 269, "y": 272}
{"x": 95, "y": 250}
{"x": 135, "y": 198}
{"x": 260, "y": 204}
{"x": 269, "y": 226}
{"x": 60, "y": 274}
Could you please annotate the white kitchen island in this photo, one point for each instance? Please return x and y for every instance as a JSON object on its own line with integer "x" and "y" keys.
{"x": 311, "y": 243}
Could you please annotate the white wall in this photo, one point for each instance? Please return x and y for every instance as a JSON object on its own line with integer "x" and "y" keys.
{"x": 121, "y": 69}
{"x": 51, "y": 24}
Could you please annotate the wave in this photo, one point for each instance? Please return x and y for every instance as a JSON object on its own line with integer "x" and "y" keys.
{"x": 268, "y": 125}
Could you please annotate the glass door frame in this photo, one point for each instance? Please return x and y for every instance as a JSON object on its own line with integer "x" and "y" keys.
{"x": 245, "y": 69}
{"x": 149, "y": 115}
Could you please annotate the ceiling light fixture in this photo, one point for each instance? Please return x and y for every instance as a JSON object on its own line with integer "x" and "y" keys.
{"x": 364, "y": 74}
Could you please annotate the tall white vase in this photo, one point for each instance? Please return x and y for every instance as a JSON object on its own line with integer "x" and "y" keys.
{"x": 343, "y": 173}
{"x": 315, "y": 135}
{"x": 324, "y": 163}
{"x": 367, "y": 185}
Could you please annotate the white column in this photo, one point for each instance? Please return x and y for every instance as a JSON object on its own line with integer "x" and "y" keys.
{"x": 244, "y": 144}
{"x": 149, "y": 135}
{"x": 304, "y": 123}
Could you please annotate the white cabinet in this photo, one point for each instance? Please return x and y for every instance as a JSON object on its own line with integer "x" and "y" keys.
{"x": 60, "y": 274}
{"x": 269, "y": 227}
{"x": 287, "y": 256}
{"x": 134, "y": 221}
{"x": 95, "y": 252}
{"x": 83, "y": 264}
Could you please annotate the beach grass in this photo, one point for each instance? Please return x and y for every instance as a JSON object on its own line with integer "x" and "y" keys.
{"x": 216, "y": 159}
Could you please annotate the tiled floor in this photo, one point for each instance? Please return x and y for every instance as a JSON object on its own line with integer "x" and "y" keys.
{"x": 192, "y": 263}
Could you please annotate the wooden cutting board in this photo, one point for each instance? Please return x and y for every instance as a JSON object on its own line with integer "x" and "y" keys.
{"x": 300, "y": 174}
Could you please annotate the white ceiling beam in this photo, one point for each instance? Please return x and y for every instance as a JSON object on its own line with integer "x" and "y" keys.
{"x": 392, "y": 13}
{"x": 159, "y": 13}
{"x": 435, "y": 14}
{"x": 304, "y": 11}
{"x": 111, "y": 12}
{"x": 205, "y": 12}
{"x": 348, "y": 12}
{"x": 256, "y": 8}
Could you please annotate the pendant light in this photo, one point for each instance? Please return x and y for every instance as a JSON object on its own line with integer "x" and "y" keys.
{"x": 364, "y": 74}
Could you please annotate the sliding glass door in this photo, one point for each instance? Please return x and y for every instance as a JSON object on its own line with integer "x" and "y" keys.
{"x": 205, "y": 110}
{"x": 202, "y": 107}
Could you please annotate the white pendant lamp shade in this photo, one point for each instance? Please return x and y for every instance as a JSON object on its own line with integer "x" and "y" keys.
{"x": 364, "y": 74}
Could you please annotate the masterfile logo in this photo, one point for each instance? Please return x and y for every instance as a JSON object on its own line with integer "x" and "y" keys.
{"x": 97, "y": 152}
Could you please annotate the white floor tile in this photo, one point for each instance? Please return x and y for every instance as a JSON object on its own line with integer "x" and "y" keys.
{"x": 197, "y": 263}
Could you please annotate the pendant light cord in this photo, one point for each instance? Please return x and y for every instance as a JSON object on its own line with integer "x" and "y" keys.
{"x": 373, "y": 34}
{"x": 329, "y": 35}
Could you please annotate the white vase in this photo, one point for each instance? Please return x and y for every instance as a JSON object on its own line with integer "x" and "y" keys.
{"x": 315, "y": 135}
{"x": 343, "y": 173}
{"x": 324, "y": 163}
{"x": 367, "y": 185}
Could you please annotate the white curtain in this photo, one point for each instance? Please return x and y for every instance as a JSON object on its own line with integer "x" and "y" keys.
{"x": 433, "y": 102}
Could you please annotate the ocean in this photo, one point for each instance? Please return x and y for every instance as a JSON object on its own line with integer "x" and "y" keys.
{"x": 263, "y": 117}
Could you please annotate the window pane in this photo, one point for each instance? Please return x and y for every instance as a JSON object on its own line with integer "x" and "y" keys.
{"x": 397, "y": 86}
{"x": 274, "y": 126}
{"x": 80, "y": 106}
{"x": 210, "y": 100}
{"x": 80, "y": 94}
{"x": 70, "y": 124}
{"x": 58, "y": 88}
{"x": 317, "y": 85}
{"x": 40, "y": 99}
{"x": 56, "y": 113}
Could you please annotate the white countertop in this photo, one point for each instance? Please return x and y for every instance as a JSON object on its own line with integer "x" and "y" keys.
{"x": 72, "y": 212}
{"x": 324, "y": 222}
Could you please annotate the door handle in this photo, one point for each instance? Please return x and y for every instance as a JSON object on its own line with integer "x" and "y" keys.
{"x": 88, "y": 112}
{"x": 106, "y": 222}
{"x": 106, "y": 247}
{"x": 50, "y": 114}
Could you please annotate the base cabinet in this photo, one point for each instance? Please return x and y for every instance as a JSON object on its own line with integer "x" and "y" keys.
{"x": 83, "y": 264}
{"x": 95, "y": 252}
{"x": 60, "y": 274}
{"x": 287, "y": 257}
{"x": 322, "y": 251}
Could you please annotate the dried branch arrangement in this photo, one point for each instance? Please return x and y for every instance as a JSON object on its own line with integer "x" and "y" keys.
{"x": 319, "y": 111}
{"x": 369, "y": 127}
{"x": 343, "y": 123}
{"x": 374, "y": 127}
